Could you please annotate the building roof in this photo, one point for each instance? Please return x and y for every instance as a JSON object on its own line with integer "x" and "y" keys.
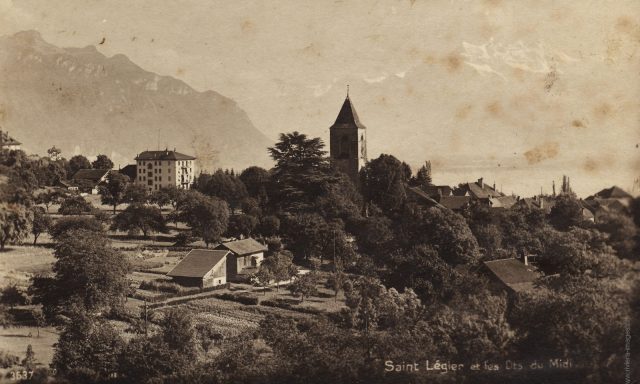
{"x": 347, "y": 117}
{"x": 93, "y": 175}
{"x": 478, "y": 190}
{"x": 513, "y": 273}
{"x": 422, "y": 196}
{"x": 130, "y": 170}
{"x": 7, "y": 140}
{"x": 454, "y": 203}
{"x": 163, "y": 155}
{"x": 243, "y": 247}
{"x": 437, "y": 190}
{"x": 198, "y": 263}
{"x": 503, "y": 201}
{"x": 614, "y": 192}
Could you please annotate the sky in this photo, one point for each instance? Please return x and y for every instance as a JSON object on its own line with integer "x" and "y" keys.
{"x": 518, "y": 92}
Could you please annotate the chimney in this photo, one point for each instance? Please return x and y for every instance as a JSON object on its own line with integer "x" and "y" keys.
{"x": 480, "y": 183}
{"x": 541, "y": 206}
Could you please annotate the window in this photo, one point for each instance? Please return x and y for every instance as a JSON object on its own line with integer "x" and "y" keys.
{"x": 150, "y": 182}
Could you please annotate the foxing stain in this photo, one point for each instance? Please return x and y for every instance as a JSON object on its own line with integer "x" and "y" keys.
{"x": 542, "y": 152}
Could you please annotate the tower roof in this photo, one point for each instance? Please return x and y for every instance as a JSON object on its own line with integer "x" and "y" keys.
{"x": 348, "y": 118}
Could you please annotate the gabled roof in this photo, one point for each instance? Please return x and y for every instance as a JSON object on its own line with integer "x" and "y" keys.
{"x": 437, "y": 190}
{"x": 130, "y": 171}
{"x": 455, "y": 203}
{"x": 7, "y": 140}
{"x": 347, "y": 118}
{"x": 163, "y": 155}
{"x": 422, "y": 196}
{"x": 477, "y": 191}
{"x": 94, "y": 175}
{"x": 513, "y": 273}
{"x": 198, "y": 263}
{"x": 243, "y": 247}
{"x": 503, "y": 201}
{"x": 614, "y": 192}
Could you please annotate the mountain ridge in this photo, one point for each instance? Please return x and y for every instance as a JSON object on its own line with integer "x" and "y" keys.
{"x": 82, "y": 101}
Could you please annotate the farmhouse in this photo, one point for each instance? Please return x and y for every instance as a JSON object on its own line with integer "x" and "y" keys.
{"x": 88, "y": 180}
{"x": 244, "y": 255}
{"x": 201, "y": 268}
{"x": 512, "y": 275}
{"x": 477, "y": 191}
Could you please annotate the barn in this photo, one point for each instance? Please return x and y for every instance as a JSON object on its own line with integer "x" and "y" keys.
{"x": 201, "y": 268}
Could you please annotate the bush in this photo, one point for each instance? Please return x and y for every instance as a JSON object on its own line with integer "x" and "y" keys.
{"x": 75, "y": 205}
{"x": 291, "y": 305}
{"x": 247, "y": 300}
{"x": 8, "y": 360}
{"x": 66, "y": 224}
{"x": 12, "y": 296}
{"x": 162, "y": 286}
{"x": 182, "y": 239}
{"x": 142, "y": 265}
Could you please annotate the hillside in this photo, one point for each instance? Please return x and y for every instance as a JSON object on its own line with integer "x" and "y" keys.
{"x": 84, "y": 102}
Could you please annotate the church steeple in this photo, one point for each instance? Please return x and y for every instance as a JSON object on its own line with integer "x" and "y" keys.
{"x": 348, "y": 145}
{"x": 348, "y": 117}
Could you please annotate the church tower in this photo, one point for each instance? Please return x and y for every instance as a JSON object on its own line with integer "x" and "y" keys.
{"x": 348, "y": 141}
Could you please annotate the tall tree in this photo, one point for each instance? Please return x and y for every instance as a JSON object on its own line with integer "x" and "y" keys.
{"x": 305, "y": 285}
{"x": 135, "y": 193}
{"x": 41, "y": 223}
{"x": 15, "y": 223}
{"x": 622, "y": 233}
{"x": 224, "y": 185}
{"x": 164, "y": 196}
{"x": 75, "y": 205}
{"x": 280, "y": 266}
{"x": 54, "y": 153}
{"x": 383, "y": 180}
{"x": 89, "y": 274}
{"x": 257, "y": 181}
{"x": 207, "y": 216}
{"x": 301, "y": 173}
{"x": 77, "y": 163}
{"x": 49, "y": 198}
{"x": 423, "y": 176}
{"x": 140, "y": 218}
{"x": 87, "y": 350}
{"x": 113, "y": 192}
{"x": 102, "y": 162}
{"x": 566, "y": 212}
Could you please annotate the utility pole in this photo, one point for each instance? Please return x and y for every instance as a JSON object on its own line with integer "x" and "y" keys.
{"x": 145, "y": 319}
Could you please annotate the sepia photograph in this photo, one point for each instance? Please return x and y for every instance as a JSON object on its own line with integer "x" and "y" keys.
{"x": 320, "y": 191}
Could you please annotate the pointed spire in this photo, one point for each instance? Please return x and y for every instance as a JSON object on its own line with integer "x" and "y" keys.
{"x": 348, "y": 118}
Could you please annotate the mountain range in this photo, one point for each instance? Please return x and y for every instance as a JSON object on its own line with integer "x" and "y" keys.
{"x": 83, "y": 102}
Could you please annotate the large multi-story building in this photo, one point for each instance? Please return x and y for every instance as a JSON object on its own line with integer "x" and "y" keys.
{"x": 157, "y": 169}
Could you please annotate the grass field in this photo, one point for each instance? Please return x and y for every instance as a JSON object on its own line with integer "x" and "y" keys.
{"x": 19, "y": 263}
{"x": 15, "y": 340}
